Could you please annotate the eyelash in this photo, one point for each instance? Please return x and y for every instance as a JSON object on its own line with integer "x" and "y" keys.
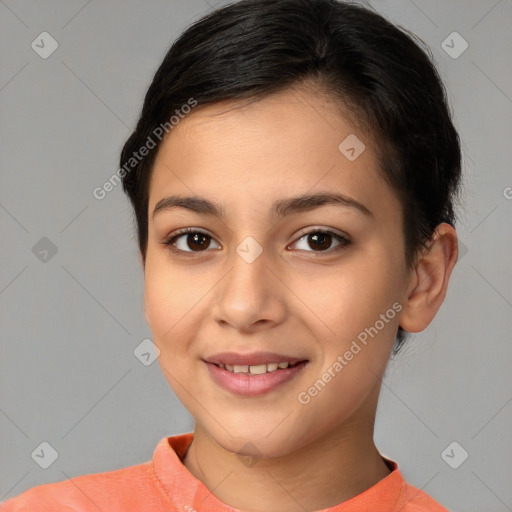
{"x": 344, "y": 242}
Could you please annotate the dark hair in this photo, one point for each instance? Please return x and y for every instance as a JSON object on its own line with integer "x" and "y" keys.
{"x": 377, "y": 71}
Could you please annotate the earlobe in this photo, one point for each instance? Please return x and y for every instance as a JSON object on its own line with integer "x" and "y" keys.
{"x": 429, "y": 280}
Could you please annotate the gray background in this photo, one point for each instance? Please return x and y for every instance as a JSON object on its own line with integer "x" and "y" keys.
{"x": 71, "y": 320}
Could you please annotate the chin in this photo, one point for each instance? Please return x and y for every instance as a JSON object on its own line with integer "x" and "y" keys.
{"x": 254, "y": 442}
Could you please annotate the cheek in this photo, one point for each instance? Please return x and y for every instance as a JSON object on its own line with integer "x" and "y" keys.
{"x": 348, "y": 299}
{"x": 170, "y": 306}
{"x": 169, "y": 296}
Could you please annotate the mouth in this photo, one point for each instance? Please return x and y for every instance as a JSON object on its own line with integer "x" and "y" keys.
{"x": 253, "y": 375}
{"x": 257, "y": 369}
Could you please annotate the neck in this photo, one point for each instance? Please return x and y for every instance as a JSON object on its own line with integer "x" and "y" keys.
{"x": 322, "y": 474}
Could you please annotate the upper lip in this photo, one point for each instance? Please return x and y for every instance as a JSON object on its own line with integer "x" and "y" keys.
{"x": 253, "y": 359}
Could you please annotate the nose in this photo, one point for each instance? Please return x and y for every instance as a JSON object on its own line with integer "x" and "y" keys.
{"x": 251, "y": 296}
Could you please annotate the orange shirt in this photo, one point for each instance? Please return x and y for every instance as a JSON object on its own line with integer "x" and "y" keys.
{"x": 164, "y": 484}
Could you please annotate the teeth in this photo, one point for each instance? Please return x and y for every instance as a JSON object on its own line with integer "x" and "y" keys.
{"x": 257, "y": 369}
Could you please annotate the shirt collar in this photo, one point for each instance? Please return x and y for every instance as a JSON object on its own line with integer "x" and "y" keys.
{"x": 186, "y": 492}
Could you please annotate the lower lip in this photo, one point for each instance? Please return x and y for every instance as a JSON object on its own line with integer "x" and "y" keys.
{"x": 253, "y": 385}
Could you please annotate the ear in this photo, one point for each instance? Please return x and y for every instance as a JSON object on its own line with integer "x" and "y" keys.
{"x": 429, "y": 280}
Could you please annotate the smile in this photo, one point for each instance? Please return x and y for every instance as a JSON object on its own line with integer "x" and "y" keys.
{"x": 255, "y": 379}
{"x": 257, "y": 369}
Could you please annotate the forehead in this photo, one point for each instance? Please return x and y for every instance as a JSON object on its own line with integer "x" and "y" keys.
{"x": 286, "y": 144}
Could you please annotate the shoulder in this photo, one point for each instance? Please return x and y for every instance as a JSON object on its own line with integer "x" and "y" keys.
{"x": 118, "y": 490}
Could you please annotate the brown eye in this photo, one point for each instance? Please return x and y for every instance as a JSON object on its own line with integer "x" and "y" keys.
{"x": 189, "y": 240}
{"x": 197, "y": 241}
{"x": 321, "y": 241}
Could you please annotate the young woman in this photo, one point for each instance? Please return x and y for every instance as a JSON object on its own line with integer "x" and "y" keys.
{"x": 293, "y": 176}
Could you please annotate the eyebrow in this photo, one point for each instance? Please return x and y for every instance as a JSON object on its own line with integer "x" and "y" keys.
{"x": 279, "y": 209}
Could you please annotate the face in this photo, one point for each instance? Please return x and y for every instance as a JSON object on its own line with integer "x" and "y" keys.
{"x": 264, "y": 278}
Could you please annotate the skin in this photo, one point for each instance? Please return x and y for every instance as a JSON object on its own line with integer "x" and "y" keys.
{"x": 293, "y": 299}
